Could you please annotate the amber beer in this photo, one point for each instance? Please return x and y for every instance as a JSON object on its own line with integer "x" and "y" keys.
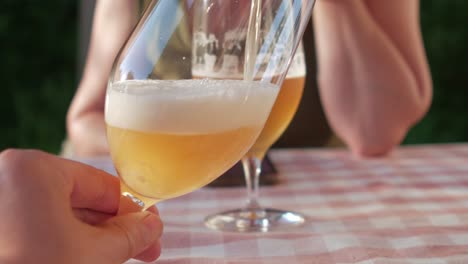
{"x": 285, "y": 106}
{"x": 168, "y": 138}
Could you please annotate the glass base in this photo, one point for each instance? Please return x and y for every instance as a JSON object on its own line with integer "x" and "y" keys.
{"x": 254, "y": 220}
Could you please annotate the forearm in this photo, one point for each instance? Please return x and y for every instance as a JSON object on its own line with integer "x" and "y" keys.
{"x": 88, "y": 135}
{"x": 113, "y": 21}
{"x": 370, "y": 92}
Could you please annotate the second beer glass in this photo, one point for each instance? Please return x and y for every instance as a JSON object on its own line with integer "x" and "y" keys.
{"x": 224, "y": 56}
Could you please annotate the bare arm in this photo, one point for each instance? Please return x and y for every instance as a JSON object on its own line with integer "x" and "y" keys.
{"x": 113, "y": 21}
{"x": 373, "y": 74}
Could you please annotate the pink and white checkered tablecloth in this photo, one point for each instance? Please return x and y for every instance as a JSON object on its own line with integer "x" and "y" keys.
{"x": 410, "y": 207}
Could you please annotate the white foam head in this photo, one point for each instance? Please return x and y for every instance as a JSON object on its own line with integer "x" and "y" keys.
{"x": 188, "y": 106}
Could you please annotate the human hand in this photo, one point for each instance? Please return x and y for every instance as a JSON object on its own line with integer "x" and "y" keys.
{"x": 60, "y": 211}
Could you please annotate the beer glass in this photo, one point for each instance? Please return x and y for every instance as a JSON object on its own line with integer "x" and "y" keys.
{"x": 253, "y": 216}
{"x": 170, "y": 131}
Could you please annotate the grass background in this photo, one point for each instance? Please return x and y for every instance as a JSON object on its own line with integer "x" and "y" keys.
{"x": 38, "y": 70}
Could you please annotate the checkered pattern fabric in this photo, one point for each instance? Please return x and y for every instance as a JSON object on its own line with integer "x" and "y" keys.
{"x": 409, "y": 207}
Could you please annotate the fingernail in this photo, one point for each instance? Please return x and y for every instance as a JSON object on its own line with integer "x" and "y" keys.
{"x": 153, "y": 226}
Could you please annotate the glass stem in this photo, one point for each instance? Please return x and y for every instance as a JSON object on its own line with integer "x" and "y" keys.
{"x": 252, "y": 169}
{"x": 131, "y": 203}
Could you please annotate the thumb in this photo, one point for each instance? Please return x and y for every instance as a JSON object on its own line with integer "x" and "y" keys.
{"x": 128, "y": 235}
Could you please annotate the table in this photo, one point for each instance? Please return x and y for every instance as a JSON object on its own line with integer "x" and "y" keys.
{"x": 409, "y": 207}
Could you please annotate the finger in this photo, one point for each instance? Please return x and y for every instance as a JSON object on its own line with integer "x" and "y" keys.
{"x": 86, "y": 186}
{"x": 153, "y": 209}
{"x": 91, "y": 217}
{"x": 89, "y": 187}
{"x": 124, "y": 237}
{"x": 151, "y": 253}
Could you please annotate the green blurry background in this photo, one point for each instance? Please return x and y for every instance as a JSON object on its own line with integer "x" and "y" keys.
{"x": 39, "y": 58}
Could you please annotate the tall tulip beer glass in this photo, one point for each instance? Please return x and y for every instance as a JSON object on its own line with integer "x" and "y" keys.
{"x": 170, "y": 132}
{"x": 212, "y": 63}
